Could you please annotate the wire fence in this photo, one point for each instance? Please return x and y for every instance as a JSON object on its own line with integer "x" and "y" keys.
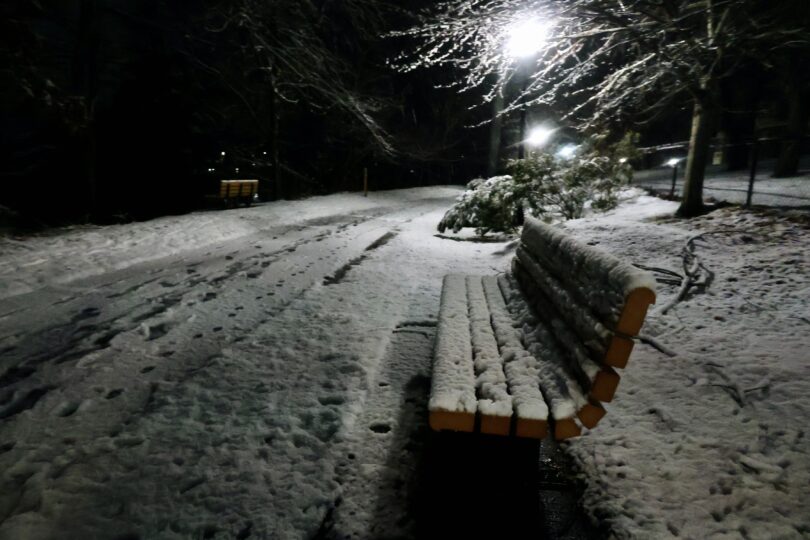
{"x": 739, "y": 173}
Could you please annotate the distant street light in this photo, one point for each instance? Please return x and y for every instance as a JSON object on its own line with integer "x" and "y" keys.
{"x": 539, "y": 136}
{"x": 567, "y": 151}
{"x": 223, "y": 153}
{"x": 673, "y": 162}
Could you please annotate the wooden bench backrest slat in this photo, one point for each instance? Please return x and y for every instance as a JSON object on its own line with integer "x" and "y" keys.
{"x": 615, "y": 292}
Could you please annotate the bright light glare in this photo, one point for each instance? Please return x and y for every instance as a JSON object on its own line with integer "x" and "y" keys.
{"x": 567, "y": 151}
{"x": 525, "y": 38}
{"x": 223, "y": 153}
{"x": 673, "y": 162}
{"x": 539, "y": 136}
{"x": 622, "y": 160}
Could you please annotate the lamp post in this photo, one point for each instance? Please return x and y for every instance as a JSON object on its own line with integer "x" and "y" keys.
{"x": 673, "y": 162}
{"x": 523, "y": 40}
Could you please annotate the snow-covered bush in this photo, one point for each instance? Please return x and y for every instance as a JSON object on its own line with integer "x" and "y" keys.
{"x": 547, "y": 186}
{"x": 492, "y": 204}
{"x": 565, "y": 187}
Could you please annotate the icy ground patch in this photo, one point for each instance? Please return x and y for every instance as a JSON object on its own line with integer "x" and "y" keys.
{"x": 711, "y": 443}
{"x": 263, "y": 373}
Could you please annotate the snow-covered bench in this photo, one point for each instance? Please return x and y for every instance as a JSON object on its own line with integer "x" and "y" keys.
{"x": 233, "y": 192}
{"x": 517, "y": 353}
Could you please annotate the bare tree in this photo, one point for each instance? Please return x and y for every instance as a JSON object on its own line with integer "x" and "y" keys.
{"x": 294, "y": 49}
{"x": 607, "y": 61}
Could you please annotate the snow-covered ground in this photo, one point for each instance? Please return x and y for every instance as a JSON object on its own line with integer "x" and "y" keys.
{"x": 710, "y": 443}
{"x": 263, "y": 373}
{"x": 732, "y": 186}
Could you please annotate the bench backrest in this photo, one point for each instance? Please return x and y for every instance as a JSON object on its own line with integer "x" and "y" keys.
{"x": 601, "y": 298}
{"x": 230, "y": 189}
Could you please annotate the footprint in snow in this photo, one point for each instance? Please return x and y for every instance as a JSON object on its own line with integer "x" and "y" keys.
{"x": 380, "y": 427}
{"x": 87, "y": 313}
{"x": 188, "y": 485}
{"x": 67, "y": 408}
{"x": 114, "y": 393}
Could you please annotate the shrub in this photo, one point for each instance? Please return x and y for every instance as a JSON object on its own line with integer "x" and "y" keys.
{"x": 547, "y": 186}
{"x": 488, "y": 205}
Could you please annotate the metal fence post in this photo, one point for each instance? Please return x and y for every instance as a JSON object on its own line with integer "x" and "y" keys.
{"x": 752, "y": 173}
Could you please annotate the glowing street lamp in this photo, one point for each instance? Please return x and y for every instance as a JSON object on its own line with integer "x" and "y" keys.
{"x": 539, "y": 136}
{"x": 525, "y": 38}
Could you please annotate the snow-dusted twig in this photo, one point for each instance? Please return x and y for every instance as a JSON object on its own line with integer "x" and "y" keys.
{"x": 654, "y": 343}
{"x": 411, "y": 331}
{"x": 733, "y": 391}
{"x": 662, "y": 275}
{"x": 696, "y": 273}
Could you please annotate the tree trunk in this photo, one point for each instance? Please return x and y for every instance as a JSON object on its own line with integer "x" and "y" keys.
{"x": 790, "y": 151}
{"x": 495, "y": 130}
{"x": 703, "y": 114}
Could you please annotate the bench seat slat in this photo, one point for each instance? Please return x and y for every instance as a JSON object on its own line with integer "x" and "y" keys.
{"x": 494, "y": 401}
{"x": 559, "y": 384}
{"x": 520, "y": 367}
{"x": 452, "y": 395}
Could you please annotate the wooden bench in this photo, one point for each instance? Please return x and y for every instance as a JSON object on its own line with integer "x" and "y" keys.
{"x": 536, "y": 349}
{"x": 232, "y": 192}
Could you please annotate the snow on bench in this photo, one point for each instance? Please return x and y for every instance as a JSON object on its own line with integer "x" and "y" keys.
{"x": 517, "y": 354}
